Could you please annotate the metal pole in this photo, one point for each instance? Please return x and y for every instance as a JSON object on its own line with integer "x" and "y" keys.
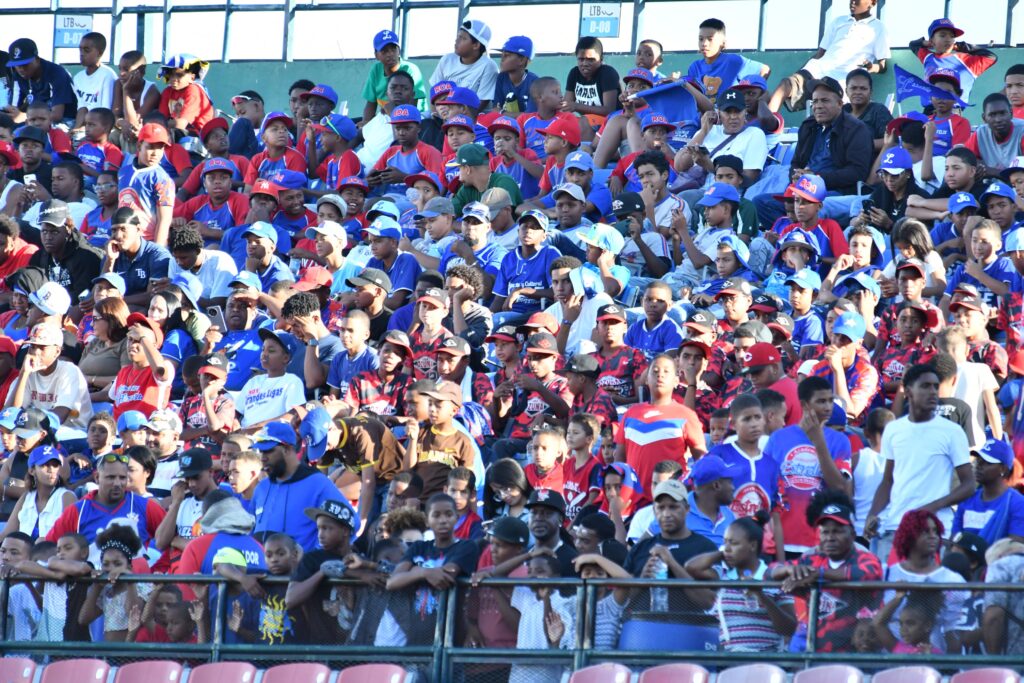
{"x": 443, "y": 631}
{"x": 220, "y": 609}
{"x": 638, "y": 8}
{"x": 225, "y": 56}
{"x": 1010, "y": 6}
{"x": 821, "y": 22}
{"x": 812, "y": 620}
{"x": 586, "y": 606}
{"x": 761, "y": 16}
{"x": 463, "y": 11}
{"x": 163, "y": 33}
{"x": 115, "y": 23}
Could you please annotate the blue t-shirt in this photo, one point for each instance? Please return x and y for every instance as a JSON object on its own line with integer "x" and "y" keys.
{"x": 144, "y": 189}
{"x": 233, "y": 243}
{"x": 711, "y": 529}
{"x": 344, "y": 368}
{"x": 1001, "y": 270}
{"x": 150, "y": 261}
{"x": 178, "y": 346}
{"x": 401, "y": 319}
{"x": 599, "y": 195}
{"x": 53, "y": 86}
{"x": 277, "y": 271}
{"x": 403, "y": 273}
{"x": 517, "y": 272}
{"x": 290, "y": 224}
{"x": 100, "y": 228}
{"x": 242, "y": 348}
{"x": 807, "y": 329}
{"x": 723, "y": 73}
{"x": 280, "y": 505}
{"x": 756, "y": 482}
{"x": 992, "y": 519}
{"x": 489, "y": 258}
{"x": 504, "y": 90}
{"x": 528, "y": 185}
{"x": 666, "y": 336}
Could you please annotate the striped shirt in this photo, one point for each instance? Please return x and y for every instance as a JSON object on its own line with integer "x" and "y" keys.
{"x": 743, "y": 624}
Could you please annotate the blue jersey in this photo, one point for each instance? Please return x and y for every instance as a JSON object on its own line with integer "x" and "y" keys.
{"x": 807, "y": 329}
{"x": 151, "y": 261}
{"x": 343, "y": 368}
{"x": 144, "y": 189}
{"x": 517, "y": 272}
{"x": 242, "y": 348}
{"x": 1001, "y": 270}
{"x": 220, "y": 218}
{"x": 666, "y": 336}
{"x": 599, "y": 195}
{"x": 403, "y": 273}
{"x": 99, "y": 227}
{"x": 489, "y": 258}
{"x": 291, "y": 225}
{"x": 723, "y": 73}
{"x": 277, "y": 271}
{"x": 991, "y": 519}
{"x": 232, "y": 242}
{"x": 178, "y": 346}
{"x": 756, "y": 483}
{"x": 528, "y": 185}
{"x": 506, "y": 93}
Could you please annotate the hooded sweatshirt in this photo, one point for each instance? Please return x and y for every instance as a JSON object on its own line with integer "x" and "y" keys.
{"x": 280, "y": 506}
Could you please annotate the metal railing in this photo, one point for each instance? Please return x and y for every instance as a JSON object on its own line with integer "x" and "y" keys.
{"x": 444, "y": 658}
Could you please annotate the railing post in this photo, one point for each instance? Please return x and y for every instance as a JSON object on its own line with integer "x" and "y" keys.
{"x": 1010, "y": 6}
{"x": 289, "y": 27}
{"x": 463, "y": 12}
{"x": 812, "y": 622}
{"x": 225, "y": 56}
{"x": 164, "y": 31}
{"x": 761, "y": 16}
{"x": 220, "y": 610}
{"x": 821, "y": 22}
{"x": 638, "y": 8}
{"x": 441, "y": 628}
{"x": 585, "y": 607}
{"x": 444, "y": 671}
{"x": 5, "y": 595}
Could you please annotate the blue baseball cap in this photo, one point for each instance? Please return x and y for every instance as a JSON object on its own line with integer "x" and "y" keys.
{"x": 286, "y": 340}
{"x": 262, "y": 229}
{"x": 505, "y": 123}
{"x": 537, "y": 215}
{"x": 322, "y": 91}
{"x": 190, "y": 286}
{"x": 113, "y": 279}
{"x": 580, "y": 160}
{"x": 896, "y": 161}
{"x": 463, "y": 96}
{"x": 654, "y": 120}
{"x": 851, "y": 325}
{"x": 9, "y": 418}
{"x": 859, "y": 280}
{"x": 384, "y": 226}
{"x": 248, "y": 279}
{"x": 640, "y": 74}
{"x": 286, "y": 179}
{"x": 383, "y": 39}
{"x": 718, "y": 193}
{"x": 218, "y": 164}
{"x": 131, "y": 421}
{"x": 385, "y": 207}
{"x": 520, "y": 45}
{"x": 1014, "y": 240}
{"x": 275, "y": 116}
{"x": 995, "y": 452}
{"x": 997, "y": 188}
{"x": 441, "y": 88}
{"x": 340, "y": 125}
{"x": 751, "y": 81}
{"x": 41, "y": 455}
{"x": 738, "y": 246}
{"x": 274, "y": 434}
{"x": 710, "y": 468}
{"x": 313, "y": 431}
{"x": 459, "y": 120}
{"x": 405, "y": 113}
{"x": 810, "y": 187}
{"x": 944, "y": 23}
{"x": 603, "y": 236}
{"x": 960, "y": 201}
{"x": 805, "y": 278}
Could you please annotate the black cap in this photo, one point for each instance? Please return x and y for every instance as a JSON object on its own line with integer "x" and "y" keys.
{"x": 782, "y": 322}
{"x": 22, "y": 51}
{"x": 731, "y": 99}
{"x": 734, "y": 285}
{"x": 30, "y": 133}
{"x": 27, "y": 279}
{"x": 837, "y": 513}
{"x": 54, "y": 212}
{"x": 766, "y": 303}
{"x": 583, "y": 364}
{"x": 547, "y": 498}
{"x": 729, "y": 161}
{"x": 611, "y": 312}
{"x": 511, "y": 530}
{"x": 828, "y": 83}
{"x": 371, "y": 276}
{"x": 627, "y": 203}
{"x": 336, "y": 510}
{"x": 32, "y": 420}
{"x": 195, "y": 461}
{"x": 974, "y": 546}
{"x": 456, "y": 346}
{"x": 702, "y": 319}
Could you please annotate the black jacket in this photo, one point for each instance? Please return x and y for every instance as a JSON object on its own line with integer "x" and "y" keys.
{"x": 74, "y": 272}
{"x": 851, "y": 146}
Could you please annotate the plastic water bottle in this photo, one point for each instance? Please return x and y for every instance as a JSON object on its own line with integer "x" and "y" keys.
{"x": 295, "y": 264}
{"x": 659, "y": 594}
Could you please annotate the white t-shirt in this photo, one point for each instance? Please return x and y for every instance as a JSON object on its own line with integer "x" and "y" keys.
{"x": 65, "y": 387}
{"x": 633, "y": 259}
{"x": 377, "y": 137}
{"x": 481, "y": 76}
{"x": 585, "y": 324}
{"x": 924, "y": 455}
{"x": 972, "y": 380}
{"x": 938, "y": 172}
{"x": 189, "y": 511}
{"x": 264, "y": 398}
{"x": 848, "y": 43}
{"x": 216, "y": 273}
{"x": 663, "y": 211}
{"x": 508, "y": 240}
{"x": 96, "y": 90}
{"x": 532, "y": 636}
{"x": 750, "y": 144}
{"x": 866, "y": 478}
{"x": 641, "y": 523}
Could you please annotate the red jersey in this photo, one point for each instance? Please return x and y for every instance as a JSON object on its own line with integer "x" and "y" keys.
{"x": 600, "y": 406}
{"x": 861, "y": 383}
{"x": 482, "y": 391}
{"x": 424, "y": 353}
{"x": 707, "y": 401}
{"x": 263, "y": 165}
{"x": 787, "y": 387}
{"x": 652, "y": 433}
{"x": 368, "y": 392}
{"x": 991, "y": 354}
{"x": 193, "y": 416}
{"x": 21, "y": 254}
{"x": 137, "y": 389}
{"x": 552, "y": 479}
{"x": 237, "y": 204}
{"x": 178, "y": 157}
{"x": 888, "y": 331}
{"x": 333, "y": 168}
{"x": 470, "y": 527}
{"x": 190, "y": 104}
{"x": 578, "y": 483}
{"x": 59, "y": 141}
{"x": 427, "y": 156}
{"x": 895, "y": 360}
{"x": 531, "y": 404}
{"x": 621, "y": 370}
{"x": 194, "y": 182}
{"x": 552, "y": 170}
{"x": 827, "y": 231}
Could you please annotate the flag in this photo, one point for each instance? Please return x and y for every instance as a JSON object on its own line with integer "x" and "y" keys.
{"x": 675, "y": 102}
{"x": 908, "y": 85}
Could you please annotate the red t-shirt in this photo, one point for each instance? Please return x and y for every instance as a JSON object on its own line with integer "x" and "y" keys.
{"x": 652, "y": 433}
{"x": 534, "y": 404}
{"x": 191, "y": 104}
{"x": 578, "y": 483}
{"x": 194, "y": 181}
{"x": 620, "y": 370}
{"x": 137, "y": 389}
{"x": 19, "y": 257}
{"x": 787, "y": 387}
{"x": 238, "y": 205}
{"x": 262, "y": 163}
{"x": 552, "y": 479}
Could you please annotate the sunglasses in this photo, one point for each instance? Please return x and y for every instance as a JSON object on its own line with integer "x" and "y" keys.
{"x": 239, "y": 99}
{"x": 115, "y": 457}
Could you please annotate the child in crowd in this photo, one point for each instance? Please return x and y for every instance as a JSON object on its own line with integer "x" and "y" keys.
{"x": 942, "y": 51}
{"x": 918, "y": 617}
{"x": 467, "y": 66}
{"x": 546, "y": 93}
{"x": 507, "y": 490}
{"x": 512, "y": 158}
{"x": 62, "y": 593}
{"x": 547, "y": 619}
{"x": 718, "y": 427}
{"x": 462, "y": 489}
{"x": 987, "y": 269}
{"x": 581, "y": 469}
{"x": 435, "y": 450}
{"x": 513, "y": 88}
{"x": 96, "y": 151}
{"x": 491, "y": 619}
{"x": 546, "y": 472}
{"x": 718, "y": 70}
{"x": 184, "y": 101}
{"x": 149, "y": 624}
{"x": 656, "y": 332}
{"x": 592, "y": 87}
{"x": 114, "y": 601}
{"x": 611, "y": 601}
{"x": 277, "y": 154}
{"x": 410, "y": 155}
{"x": 94, "y": 84}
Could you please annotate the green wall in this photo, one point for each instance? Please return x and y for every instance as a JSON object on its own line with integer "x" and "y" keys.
{"x": 271, "y": 79}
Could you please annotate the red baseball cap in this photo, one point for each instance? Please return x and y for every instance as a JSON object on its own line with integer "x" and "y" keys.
{"x": 314, "y": 278}
{"x": 264, "y": 186}
{"x": 154, "y": 133}
{"x": 8, "y": 152}
{"x": 139, "y": 319}
{"x": 564, "y": 128}
{"x": 788, "y": 194}
{"x": 543, "y": 321}
{"x": 213, "y": 124}
{"x": 7, "y": 345}
{"x": 697, "y": 344}
{"x": 759, "y": 355}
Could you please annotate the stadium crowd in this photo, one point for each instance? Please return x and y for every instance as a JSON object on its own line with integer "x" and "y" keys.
{"x": 502, "y": 327}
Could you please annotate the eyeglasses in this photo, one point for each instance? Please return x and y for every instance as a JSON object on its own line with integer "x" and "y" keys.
{"x": 239, "y": 99}
{"x": 115, "y": 457}
{"x": 105, "y": 186}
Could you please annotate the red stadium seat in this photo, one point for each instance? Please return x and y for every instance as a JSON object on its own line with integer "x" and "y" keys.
{"x": 608, "y": 672}
{"x": 223, "y": 672}
{"x": 908, "y": 674}
{"x": 992, "y": 675}
{"x": 675, "y": 673}
{"x": 155, "y": 671}
{"x": 77, "y": 670}
{"x": 298, "y": 672}
{"x": 372, "y": 673}
{"x": 17, "y": 670}
{"x": 830, "y": 673}
{"x": 752, "y": 673}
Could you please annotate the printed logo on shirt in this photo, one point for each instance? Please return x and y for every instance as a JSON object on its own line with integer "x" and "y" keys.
{"x": 800, "y": 468}
{"x": 748, "y": 499}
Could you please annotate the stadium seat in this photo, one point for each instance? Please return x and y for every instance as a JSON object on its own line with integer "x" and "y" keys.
{"x": 675, "y": 673}
{"x": 830, "y": 673}
{"x": 609, "y": 672}
{"x": 988, "y": 675}
{"x": 154, "y": 671}
{"x": 298, "y": 672}
{"x": 372, "y": 673}
{"x": 223, "y": 672}
{"x": 908, "y": 674}
{"x": 77, "y": 670}
{"x": 17, "y": 670}
{"x": 752, "y": 673}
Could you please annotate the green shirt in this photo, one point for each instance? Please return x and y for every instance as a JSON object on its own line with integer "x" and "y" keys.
{"x": 467, "y": 194}
{"x": 744, "y": 222}
{"x": 376, "y": 87}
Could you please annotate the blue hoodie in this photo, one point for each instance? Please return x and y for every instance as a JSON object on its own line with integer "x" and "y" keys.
{"x": 280, "y": 506}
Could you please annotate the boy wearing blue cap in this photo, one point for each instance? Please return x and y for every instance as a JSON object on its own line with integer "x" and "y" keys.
{"x": 512, "y": 159}
{"x": 579, "y": 171}
{"x": 985, "y": 269}
{"x": 808, "y": 327}
{"x": 388, "y": 54}
{"x": 942, "y": 50}
{"x": 512, "y": 88}
{"x": 524, "y": 279}
{"x": 718, "y": 70}
{"x": 260, "y": 243}
{"x": 995, "y": 510}
{"x": 888, "y": 202}
{"x": 401, "y": 267}
{"x": 613, "y": 132}
{"x": 410, "y": 155}
{"x": 696, "y": 254}
{"x": 853, "y": 378}
{"x": 292, "y": 216}
{"x": 999, "y": 203}
{"x": 468, "y": 66}
{"x": 336, "y": 160}
{"x": 277, "y": 154}
{"x": 710, "y": 512}
{"x": 731, "y": 261}
{"x": 220, "y": 208}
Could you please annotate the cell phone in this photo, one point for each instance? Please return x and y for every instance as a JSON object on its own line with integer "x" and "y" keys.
{"x": 29, "y": 179}
{"x": 867, "y": 205}
{"x": 216, "y": 314}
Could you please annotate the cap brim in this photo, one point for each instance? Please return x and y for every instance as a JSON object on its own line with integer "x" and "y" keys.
{"x": 25, "y": 433}
{"x": 306, "y": 286}
{"x": 21, "y": 62}
{"x": 499, "y": 337}
{"x": 803, "y": 195}
{"x": 266, "y": 445}
{"x": 834, "y": 518}
{"x": 548, "y": 352}
{"x": 611, "y": 317}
